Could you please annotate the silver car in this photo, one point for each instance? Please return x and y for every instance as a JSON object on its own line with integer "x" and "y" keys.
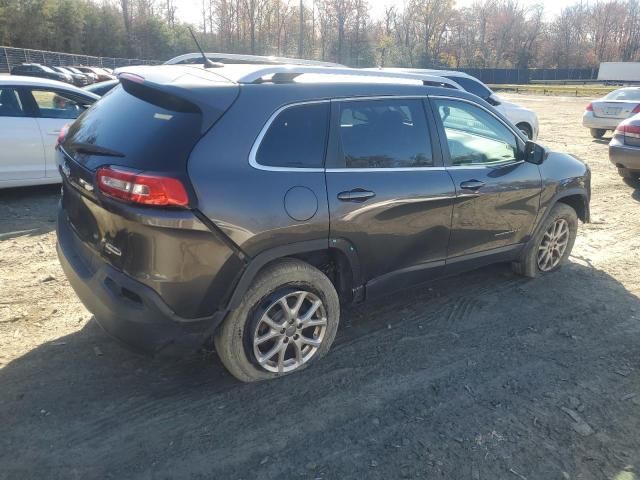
{"x": 624, "y": 148}
{"x": 607, "y": 112}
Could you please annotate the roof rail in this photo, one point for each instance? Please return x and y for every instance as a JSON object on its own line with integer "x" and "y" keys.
{"x": 249, "y": 59}
{"x": 288, "y": 73}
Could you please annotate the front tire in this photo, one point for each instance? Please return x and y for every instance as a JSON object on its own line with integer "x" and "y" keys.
{"x": 526, "y": 129}
{"x": 288, "y": 318}
{"x": 550, "y": 248}
{"x": 597, "y": 132}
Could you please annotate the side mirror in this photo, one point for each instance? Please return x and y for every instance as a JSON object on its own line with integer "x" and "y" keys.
{"x": 534, "y": 153}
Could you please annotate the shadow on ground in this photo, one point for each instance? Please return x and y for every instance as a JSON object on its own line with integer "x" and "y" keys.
{"x": 28, "y": 211}
{"x": 487, "y": 375}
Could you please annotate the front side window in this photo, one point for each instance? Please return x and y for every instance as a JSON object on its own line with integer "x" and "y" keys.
{"x": 10, "y": 103}
{"x": 385, "y": 134}
{"x": 53, "y": 104}
{"x": 296, "y": 138}
{"x": 474, "y": 136}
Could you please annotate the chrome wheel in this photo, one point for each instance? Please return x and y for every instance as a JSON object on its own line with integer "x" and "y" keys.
{"x": 289, "y": 332}
{"x": 553, "y": 245}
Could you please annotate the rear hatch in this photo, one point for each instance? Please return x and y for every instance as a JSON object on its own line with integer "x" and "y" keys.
{"x": 147, "y": 128}
{"x": 613, "y": 109}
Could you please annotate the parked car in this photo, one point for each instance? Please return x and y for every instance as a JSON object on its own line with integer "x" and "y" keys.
{"x": 607, "y": 112}
{"x": 624, "y": 148}
{"x": 91, "y": 78}
{"x": 32, "y": 114}
{"x": 245, "y": 203}
{"x": 524, "y": 118}
{"x": 41, "y": 71}
{"x": 100, "y": 75}
{"x": 101, "y": 88}
{"x": 79, "y": 79}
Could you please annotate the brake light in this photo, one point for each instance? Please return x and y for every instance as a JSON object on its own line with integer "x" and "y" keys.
{"x": 132, "y": 77}
{"x": 589, "y": 108}
{"x": 637, "y": 109}
{"x": 141, "y": 188}
{"x": 62, "y": 134}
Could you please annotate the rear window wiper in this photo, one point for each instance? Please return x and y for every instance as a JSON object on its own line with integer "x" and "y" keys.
{"x": 91, "y": 149}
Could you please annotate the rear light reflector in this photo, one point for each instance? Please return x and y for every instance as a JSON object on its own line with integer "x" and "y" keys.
{"x": 141, "y": 188}
{"x": 589, "y": 108}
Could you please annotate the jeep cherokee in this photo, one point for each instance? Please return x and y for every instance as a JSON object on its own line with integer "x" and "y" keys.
{"x": 248, "y": 203}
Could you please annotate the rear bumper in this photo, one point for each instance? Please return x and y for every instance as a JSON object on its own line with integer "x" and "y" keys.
{"x": 623, "y": 156}
{"x": 124, "y": 307}
{"x": 589, "y": 120}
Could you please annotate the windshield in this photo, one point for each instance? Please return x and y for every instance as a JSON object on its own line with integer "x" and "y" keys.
{"x": 47, "y": 69}
{"x": 624, "y": 94}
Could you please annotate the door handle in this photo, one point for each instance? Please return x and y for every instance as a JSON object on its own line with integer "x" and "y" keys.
{"x": 356, "y": 195}
{"x": 472, "y": 185}
{"x": 54, "y": 132}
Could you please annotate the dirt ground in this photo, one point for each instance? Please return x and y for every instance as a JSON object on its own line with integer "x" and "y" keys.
{"x": 482, "y": 376}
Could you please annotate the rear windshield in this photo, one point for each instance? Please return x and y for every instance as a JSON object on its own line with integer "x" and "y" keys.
{"x": 632, "y": 94}
{"x": 125, "y": 130}
{"x": 472, "y": 86}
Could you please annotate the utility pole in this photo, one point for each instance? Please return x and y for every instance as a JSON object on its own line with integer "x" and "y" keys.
{"x": 301, "y": 39}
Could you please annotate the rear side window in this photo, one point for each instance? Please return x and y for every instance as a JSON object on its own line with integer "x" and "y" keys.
{"x": 56, "y": 105}
{"x": 385, "y": 134}
{"x": 296, "y": 138}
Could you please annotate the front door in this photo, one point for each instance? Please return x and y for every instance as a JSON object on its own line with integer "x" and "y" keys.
{"x": 497, "y": 193}
{"x": 22, "y": 154}
{"x": 389, "y": 195}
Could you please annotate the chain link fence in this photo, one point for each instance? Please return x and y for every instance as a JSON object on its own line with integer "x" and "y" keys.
{"x": 10, "y": 57}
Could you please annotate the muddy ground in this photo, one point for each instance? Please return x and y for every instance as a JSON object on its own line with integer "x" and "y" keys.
{"x": 483, "y": 376}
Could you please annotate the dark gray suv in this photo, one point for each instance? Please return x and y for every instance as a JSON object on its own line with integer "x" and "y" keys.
{"x": 248, "y": 203}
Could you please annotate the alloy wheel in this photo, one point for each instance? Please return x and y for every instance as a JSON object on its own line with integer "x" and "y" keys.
{"x": 553, "y": 245}
{"x": 289, "y": 332}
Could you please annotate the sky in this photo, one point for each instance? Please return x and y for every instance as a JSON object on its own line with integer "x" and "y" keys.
{"x": 190, "y": 10}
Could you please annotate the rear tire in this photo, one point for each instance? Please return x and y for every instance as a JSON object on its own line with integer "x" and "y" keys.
{"x": 549, "y": 249}
{"x": 626, "y": 173}
{"x": 240, "y": 342}
{"x": 597, "y": 132}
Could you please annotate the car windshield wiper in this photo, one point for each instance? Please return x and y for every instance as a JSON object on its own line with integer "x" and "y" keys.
{"x": 95, "y": 150}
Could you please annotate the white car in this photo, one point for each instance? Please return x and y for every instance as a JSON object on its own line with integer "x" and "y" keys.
{"x": 32, "y": 112}
{"x": 525, "y": 119}
{"x": 607, "y": 112}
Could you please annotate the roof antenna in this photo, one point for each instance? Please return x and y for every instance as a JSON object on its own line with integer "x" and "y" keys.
{"x": 207, "y": 63}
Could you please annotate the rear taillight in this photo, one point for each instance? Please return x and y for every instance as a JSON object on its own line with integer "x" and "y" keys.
{"x": 589, "y": 108}
{"x": 637, "y": 109}
{"x": 628, "y": 130}
{"x": 141, "y": 188}
{"x": 62, "y": 134}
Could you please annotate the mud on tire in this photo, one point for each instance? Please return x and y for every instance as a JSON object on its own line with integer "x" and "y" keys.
{"x": 528, "y": 264}
{"x": 262, "y": 309}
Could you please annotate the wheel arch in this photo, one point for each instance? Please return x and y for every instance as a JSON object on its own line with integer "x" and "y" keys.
{"x": 337, "y": 258}
{"x": 579, "y": 202}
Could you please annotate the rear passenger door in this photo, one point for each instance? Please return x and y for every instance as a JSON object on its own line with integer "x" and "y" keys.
{"x": 389, "y": 195}
{"x": 54, "y": 109}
